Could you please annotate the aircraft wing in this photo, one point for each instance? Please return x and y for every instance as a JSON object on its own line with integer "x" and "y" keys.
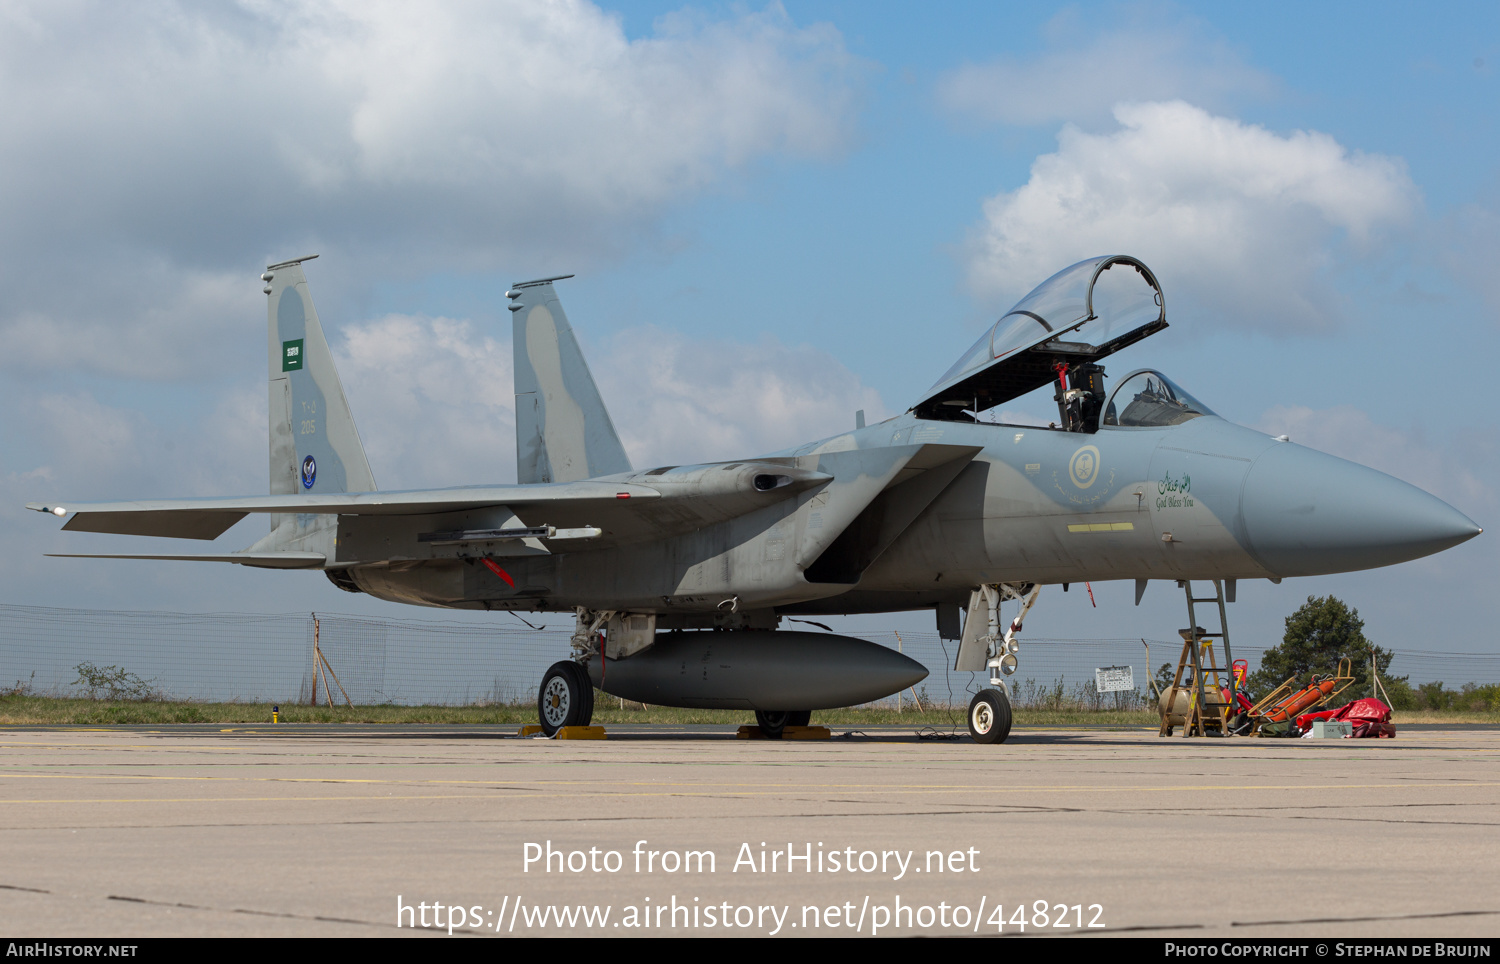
{"x": 284, "y": 559}
{"x": 620, "y": 510}
{"x": 210, "y": 518}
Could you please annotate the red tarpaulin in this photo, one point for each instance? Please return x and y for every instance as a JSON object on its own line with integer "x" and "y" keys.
{"x": 1370, "y": 717}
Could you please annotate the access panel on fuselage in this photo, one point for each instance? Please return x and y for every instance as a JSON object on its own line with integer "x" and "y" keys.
{"x": 1198, "y": 472}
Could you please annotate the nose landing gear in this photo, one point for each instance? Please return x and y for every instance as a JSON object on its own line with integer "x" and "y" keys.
{"x": 984, "y": 646}
{"x": 989, "y": 716}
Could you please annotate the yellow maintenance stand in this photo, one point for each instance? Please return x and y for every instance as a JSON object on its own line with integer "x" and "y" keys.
{"x": 1198, "y": 705}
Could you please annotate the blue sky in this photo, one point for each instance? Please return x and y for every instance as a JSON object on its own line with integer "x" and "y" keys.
{"x": 777, "y": 215}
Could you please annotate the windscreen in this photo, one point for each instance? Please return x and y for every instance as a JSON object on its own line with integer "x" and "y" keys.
{"x": 1151, "y": 400}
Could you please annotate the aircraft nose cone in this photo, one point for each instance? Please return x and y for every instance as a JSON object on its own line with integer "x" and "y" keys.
{"x": 1307, "y": 513}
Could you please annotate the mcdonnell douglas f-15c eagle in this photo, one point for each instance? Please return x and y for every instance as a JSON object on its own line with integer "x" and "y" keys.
{"x": 680, "y": 575}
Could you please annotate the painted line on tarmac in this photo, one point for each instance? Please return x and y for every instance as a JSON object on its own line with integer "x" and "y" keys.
{"x": 1357, "y": 920}
{"x": 256, "y": 913}
{"x": 717, "y": 786}
{"x": 733, "y": 793}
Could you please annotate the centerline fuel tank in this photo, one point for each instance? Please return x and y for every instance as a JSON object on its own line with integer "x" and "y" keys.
{"x": 757, "y": 670}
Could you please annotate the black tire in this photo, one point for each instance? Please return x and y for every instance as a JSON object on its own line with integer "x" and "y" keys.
{"x": 564, "y": 698}
{"x": 989, "y": 717}
{"x": 772, "y": 722}
{"x": 586, "y": 686}
{"x": 799, "y": 718}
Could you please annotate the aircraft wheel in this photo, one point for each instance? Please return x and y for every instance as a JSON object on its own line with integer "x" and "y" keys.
{"x": 586, "y": 686}
{"x": 799, "y": 718}
{"x": 565, "y": 698}
{"x": 989, "y": 717}
{"x": 772, "y": 722}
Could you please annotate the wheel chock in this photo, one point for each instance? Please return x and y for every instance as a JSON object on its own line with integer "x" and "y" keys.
{"x": 579, "y": 733}
{"x": 753, "y": 732}
{"x": 529, "y": 729}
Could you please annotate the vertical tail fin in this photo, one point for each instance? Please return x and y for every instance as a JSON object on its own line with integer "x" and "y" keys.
{"x": 314, "y": 444}
{"x": 563, "y": 431}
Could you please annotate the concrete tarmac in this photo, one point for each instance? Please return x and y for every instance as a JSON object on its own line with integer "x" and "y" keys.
{"x": 332, "y": 830}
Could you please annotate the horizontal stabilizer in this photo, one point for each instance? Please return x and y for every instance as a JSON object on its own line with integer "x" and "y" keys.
{"x": 149, "y": 519}
{"x": 260, "y": 560}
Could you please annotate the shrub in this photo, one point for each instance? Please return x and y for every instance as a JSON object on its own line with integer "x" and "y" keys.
{"x": 114, "y": 683}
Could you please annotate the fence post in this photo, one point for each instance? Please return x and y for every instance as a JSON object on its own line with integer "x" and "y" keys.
{"x": 315, "y": 659}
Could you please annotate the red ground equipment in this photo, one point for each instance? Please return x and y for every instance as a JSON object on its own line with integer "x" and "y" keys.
{"x": 1370, "y": 718}
{"x": 1288, "y": 701}
{"x": 1242, "y": 702}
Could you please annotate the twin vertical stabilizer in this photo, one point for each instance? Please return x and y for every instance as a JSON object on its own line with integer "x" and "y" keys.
{"x": 315, "y": 448}
{"x": 563, "y": 431}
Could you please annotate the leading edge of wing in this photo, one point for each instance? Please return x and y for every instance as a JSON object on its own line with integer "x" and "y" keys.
{"x": 260, "y": 560}
{"x": 210, "y": 518}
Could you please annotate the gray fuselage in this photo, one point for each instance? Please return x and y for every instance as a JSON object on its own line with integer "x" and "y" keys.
{"x": 1202, "y": 499}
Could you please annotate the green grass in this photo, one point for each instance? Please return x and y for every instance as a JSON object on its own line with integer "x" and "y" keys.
{"x": 42, "y": 710}
{"x": 1443, "y": 716}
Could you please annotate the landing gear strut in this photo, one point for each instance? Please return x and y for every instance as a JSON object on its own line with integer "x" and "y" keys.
{"x": 984, "y": 646}
{"x": 566, "y": 697}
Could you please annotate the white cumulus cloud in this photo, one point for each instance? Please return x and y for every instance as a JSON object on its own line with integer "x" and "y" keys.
{"x": 676, "y": 400}
{"x": 150, "y": 148}
{"x": 434, "y": 398}
{"x": 75, "y": 445}
{"x": 1081, "y": 75}
{"x": 1455, "y": 475}
{"x": 1242, "y": 225}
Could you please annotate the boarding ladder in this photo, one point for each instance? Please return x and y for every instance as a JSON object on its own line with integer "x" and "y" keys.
{"x": 1207, "y": 709}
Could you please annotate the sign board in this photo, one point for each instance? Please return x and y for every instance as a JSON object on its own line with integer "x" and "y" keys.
{"x": 1114, "y": 679}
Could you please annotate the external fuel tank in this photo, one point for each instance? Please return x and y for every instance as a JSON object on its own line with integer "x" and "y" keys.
{"x": 757, "y": 669}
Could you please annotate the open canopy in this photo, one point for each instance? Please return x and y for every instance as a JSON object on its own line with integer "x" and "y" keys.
{"x": 1080, "y": 314}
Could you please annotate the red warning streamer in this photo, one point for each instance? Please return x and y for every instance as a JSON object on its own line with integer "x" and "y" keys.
{"x": 492, "y": 566}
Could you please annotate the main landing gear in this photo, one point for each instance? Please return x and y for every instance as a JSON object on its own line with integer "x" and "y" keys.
{"x": 773, "y": 723}
{"x": 566, "y": 697}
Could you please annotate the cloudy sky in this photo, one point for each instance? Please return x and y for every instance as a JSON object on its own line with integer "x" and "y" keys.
{"x": 777, "y": 215}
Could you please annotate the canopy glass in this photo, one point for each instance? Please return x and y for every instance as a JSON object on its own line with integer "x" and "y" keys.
{"x": 1082, "y": 313}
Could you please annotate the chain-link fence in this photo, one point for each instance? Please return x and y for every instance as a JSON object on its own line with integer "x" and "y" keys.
{"x": 233, "y": 656}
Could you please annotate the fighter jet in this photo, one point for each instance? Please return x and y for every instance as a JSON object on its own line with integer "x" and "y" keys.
{"x": 680, "y": 577}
